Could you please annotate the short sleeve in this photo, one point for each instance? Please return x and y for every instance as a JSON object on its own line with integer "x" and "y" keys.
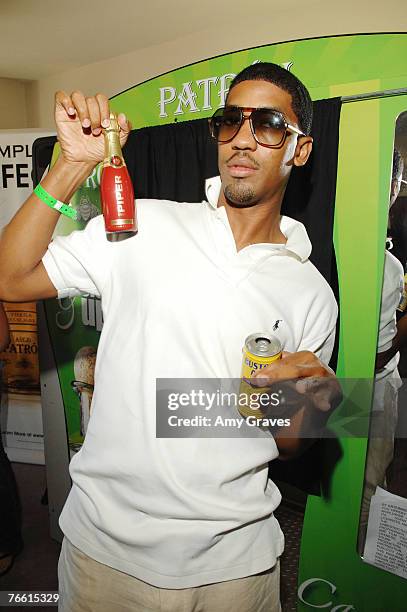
{"x": 321, "y": 346}
{"x": 320, "y": 328}
{"x": 392, "y": 293}
{"x": 79, "y": 263}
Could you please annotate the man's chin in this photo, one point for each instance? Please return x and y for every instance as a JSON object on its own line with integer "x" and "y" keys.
{"x": 239, "y": 195}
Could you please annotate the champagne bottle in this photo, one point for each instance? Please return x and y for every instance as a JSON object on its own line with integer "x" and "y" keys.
{"x": 116, "y": 188}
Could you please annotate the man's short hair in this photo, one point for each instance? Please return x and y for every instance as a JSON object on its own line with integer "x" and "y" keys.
{"x": 273, "y": 73}
{"x": 398, "y": 165}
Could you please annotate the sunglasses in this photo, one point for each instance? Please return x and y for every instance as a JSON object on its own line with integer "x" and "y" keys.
{"x": 269, "y": 127}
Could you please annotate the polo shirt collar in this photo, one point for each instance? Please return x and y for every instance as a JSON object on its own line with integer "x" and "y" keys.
{"x": 297, "y": 243}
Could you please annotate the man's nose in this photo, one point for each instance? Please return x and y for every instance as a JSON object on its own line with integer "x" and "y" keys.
{"x": 244, "y": 139}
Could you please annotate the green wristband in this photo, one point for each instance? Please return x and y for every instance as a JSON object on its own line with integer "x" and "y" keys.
{"x": 44, "y": 196}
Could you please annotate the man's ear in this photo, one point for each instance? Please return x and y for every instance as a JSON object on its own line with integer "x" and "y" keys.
{"x": 303, "y": 150}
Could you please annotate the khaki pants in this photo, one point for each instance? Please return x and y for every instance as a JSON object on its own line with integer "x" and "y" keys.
{"x": 85, "y": 585}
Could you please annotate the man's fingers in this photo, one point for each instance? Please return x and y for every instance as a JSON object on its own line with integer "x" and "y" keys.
{"x": 81, "y": 108}
{"x": 62, "y": 100}
{"x": 291, "y": 366}
{"x": 104, "y": 110}
{"x": 301, "y": 380}
{"x": 325, "y": 391}
{"x": 94, "y": 115}
{"x": 92, "y": 111}
{"x": 274, "y": 373}
{"x": 311, "y": 384}
{"x": 259, "y": 381}
{"x": 125, "y": 128}
{"x": 124, "y": 123}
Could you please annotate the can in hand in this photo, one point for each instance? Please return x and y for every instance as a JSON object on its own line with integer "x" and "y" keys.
{"x": 259, "y": 351}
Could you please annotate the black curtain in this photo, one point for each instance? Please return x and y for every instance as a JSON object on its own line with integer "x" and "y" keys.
{"x": 171, "y": 162}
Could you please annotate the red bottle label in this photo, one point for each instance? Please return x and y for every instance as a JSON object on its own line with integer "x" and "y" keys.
{"x": 116, "y": 190}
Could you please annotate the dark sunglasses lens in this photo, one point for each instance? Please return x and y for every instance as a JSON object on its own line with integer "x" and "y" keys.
{"x": 225, "y": 124}
{"x": 269, "y": 126}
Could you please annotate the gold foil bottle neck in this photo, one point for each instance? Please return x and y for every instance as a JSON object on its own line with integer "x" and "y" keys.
{"x": 112, "y": 141}
{"x": 114, "y": 124}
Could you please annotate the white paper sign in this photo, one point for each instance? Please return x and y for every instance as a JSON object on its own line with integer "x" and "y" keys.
{"x": 386, "y": 539}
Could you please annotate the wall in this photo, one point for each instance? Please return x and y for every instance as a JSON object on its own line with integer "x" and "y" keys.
{"x": 13, "y": 104}
{"x": 119, "y": 73}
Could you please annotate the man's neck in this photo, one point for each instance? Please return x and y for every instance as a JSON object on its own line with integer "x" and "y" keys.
{"x": 255, "y": 224}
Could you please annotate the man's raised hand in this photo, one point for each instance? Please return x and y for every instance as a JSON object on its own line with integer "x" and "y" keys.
{"x": 79, "y": 122}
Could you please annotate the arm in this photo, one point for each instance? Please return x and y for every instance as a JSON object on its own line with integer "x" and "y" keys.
{"x": 314, "y": 392}
{"x": 25, "y": 239}
{"x": 4, "y": 330}
{"x": 399, "y": 340}
{"x": 23, "y": 276}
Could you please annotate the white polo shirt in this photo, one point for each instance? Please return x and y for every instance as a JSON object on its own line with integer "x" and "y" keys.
{"x": 178, "y": 302}
{"x": 392, "y": 293}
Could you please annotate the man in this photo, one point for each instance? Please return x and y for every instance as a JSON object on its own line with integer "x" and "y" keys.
{"x": 182, "y": 524}
{"x": 397, "y": 226}
{"x": 392, "y": 337}
{"x": 392, "y": 333}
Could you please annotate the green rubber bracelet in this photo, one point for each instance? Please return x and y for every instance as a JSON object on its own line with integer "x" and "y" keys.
{"x": 65, "y": 209}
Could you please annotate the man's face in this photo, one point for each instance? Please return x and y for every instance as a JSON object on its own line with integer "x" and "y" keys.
{"x": 250, "y": 172}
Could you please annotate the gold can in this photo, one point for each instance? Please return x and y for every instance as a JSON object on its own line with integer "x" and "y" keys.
{"x": 260, "y": 350}
{"x": 21, "y": 372}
